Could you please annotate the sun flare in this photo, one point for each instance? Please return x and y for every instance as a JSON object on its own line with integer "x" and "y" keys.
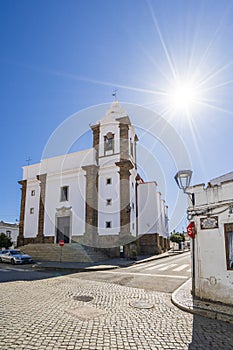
{"x": 183, "y": 96}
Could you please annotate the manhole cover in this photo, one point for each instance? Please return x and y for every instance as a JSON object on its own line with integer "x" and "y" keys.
{"x": 85, "y": 298}
{"x": 141, "y": 304}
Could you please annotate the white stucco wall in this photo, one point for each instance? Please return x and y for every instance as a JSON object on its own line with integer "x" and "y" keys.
{"x": 76, "y": 182}
{"x": 159, "y": 214}
{"x": 213, "y": 280}
{"x": 32, "y": 203}
{"x": 61, "y": 171}
{"x": 112, "y": 127}
{"x": 109, "y": 191}
{"x": 132, "y": 187}
{"x": 147, "y": 208}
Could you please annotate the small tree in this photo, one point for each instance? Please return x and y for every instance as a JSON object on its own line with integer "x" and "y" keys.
{"x": 5, "y": 241}
{"x": 177, "y": 237}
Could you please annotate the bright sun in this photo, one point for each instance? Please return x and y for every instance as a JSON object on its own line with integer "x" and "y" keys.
{"x": 183, "y": 96}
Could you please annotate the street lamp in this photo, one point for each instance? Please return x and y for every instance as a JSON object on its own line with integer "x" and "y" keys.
{"x": 183, "y": 178}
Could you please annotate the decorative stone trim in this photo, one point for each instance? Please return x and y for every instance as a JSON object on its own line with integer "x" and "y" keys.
{"x": 40, "y": 234}
{"x": 20, "y": 239}
{"x": 47, "y": 239}
{"x": 149, "y": 243}
{"x": 125, "y": 166}
{"x": 124, "y": 141}
{"x": 96, "y": 138}
{"x": 62, "y": 212}
{"x": 91, "y": 221}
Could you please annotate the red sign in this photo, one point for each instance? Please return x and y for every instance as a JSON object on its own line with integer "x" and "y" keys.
{"x": 61, "y": 242}
{"x": 191, "y": 229}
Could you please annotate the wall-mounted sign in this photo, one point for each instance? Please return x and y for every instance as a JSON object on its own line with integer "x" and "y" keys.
{"x": 208, "y": 223}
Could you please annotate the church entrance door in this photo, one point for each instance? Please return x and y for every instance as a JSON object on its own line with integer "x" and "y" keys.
{"x": 63, "y": 229}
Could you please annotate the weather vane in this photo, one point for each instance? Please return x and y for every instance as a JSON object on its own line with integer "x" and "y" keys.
{"x": 115, "y": 93}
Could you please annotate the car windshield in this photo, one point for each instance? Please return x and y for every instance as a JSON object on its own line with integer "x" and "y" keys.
{"x": 16, "y": 252}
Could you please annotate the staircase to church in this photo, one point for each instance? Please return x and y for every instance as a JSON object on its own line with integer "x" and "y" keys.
{"x": 73, "y": 252}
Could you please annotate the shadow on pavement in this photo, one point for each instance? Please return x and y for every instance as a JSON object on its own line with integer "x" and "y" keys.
{"x": 9, "y": 273}
{"x": 211, "y": 334}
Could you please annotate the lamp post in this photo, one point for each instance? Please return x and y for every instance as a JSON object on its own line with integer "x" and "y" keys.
{"x": 183, "y": 179}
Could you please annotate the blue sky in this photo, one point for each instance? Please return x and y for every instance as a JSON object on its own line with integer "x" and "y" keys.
{"x": 60, "y": 57}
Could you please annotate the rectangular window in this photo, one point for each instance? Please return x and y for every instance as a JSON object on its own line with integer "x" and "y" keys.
{"x": 108, "y": 224}
{"x": 109, "y": 181}
{"x": 33, "y": 192}
{"x": 64, "y": 193}
{"x": 108, "y": 201}
{"x": 31, "y": 210}
{"x": 8, "y": 233}
{"x": 229, "y": 245}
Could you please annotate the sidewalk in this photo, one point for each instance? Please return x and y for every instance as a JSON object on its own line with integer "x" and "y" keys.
{"x": 183, "y": 299}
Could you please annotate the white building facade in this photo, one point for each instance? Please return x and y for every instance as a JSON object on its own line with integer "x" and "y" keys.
{"x": 10, "y": 230}
{"x": 94, "y": 197}
{"x": 213, "y": 218}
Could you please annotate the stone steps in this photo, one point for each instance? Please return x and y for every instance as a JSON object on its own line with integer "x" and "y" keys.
{"x": 72, "y": 252}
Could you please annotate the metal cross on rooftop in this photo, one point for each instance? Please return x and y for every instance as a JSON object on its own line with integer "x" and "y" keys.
{"x": 115, "y": 94}
{"x": 28, "y": 160}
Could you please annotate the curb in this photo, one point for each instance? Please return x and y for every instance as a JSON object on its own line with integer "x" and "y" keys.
{"x": 201, "y": 311}
{"x": 74, "y": 269}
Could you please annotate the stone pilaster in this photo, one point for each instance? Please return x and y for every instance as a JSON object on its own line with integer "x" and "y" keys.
{"x": 40, "y": 232}
{"x": 149, "y": 243}
{"x": 91, "y": 224}
{"x": 125, "y": 166}
{"x": 20, "y": 239}
{"x": 96, "y": 138}
{"x": 124, "y": 141}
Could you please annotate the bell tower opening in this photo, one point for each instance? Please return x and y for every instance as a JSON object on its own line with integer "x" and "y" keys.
{"x": 109, "y": 143}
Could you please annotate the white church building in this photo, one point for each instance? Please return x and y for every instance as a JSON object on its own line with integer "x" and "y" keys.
{"x": 95, "y": 197}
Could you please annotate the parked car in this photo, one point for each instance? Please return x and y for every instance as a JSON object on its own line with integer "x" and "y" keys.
{"x": 4, "y": 251}
{"x": 14, "y": 256}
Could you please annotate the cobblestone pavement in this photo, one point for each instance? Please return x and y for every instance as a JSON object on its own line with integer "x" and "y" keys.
{"x": 183, "y": 298}
{"x": 45, "y": 314}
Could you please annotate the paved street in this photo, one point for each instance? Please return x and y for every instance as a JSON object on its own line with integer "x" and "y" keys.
{"x": 10, "y": 273}
{"x": 164, "y": 275}
{"x": 55, "y": 314}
